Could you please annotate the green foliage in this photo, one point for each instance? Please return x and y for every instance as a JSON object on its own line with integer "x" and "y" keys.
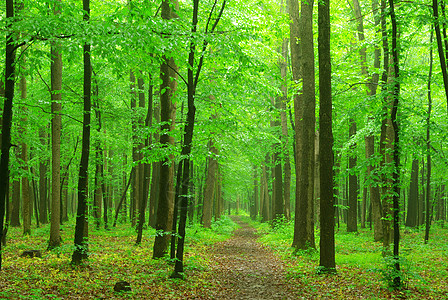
{"x": 393, "y": 278}
{"x": 362, "y": 271}
{"x": 113, "y": 256}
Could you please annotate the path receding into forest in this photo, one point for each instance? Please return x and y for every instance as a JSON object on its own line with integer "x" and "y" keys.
{"x": 247, "y": 270}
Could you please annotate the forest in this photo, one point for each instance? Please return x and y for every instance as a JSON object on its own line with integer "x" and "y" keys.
{"x": 214, "y": 149}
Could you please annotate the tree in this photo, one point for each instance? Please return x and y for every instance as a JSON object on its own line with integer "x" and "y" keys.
{"x": 10, "y": 51}
{"x": 412, "y": 210}
{"x": 43, "y": 182}
{"x": 56, "y": 125}
{"x": 168, "y": 86}
{"x": 304, "y": 109}
{"x": 397, "y": 283}
{"x": 209, "y": 190}
{"x": 81, "y": 243}
{"x": 352, "y": 214}
{"x": 27, "y": 204}
{"x": 327, "y": 243}
{"x": 428, "y": 213}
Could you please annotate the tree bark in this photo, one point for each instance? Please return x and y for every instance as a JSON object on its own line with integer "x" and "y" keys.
{"x": 27, "y": 207}
{"x": 10, "y": 50}
{"x": 146, "y": 168}
{"x": 165, "y": 208}
{"x": 81, "y": 236}
{"x": 154, "y": 192}
{"x": 209, "y": 190}
{"x": 305, "y": 132}
{"x": 428, "y": 147}
{"x": 43, "y": 190}
{"x": 326, "y": 155}
{"x": 56, "y": 126}
{"x": 352, "y": 214}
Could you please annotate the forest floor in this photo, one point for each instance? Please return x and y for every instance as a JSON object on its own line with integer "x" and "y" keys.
{"x": 247, "y": 260}
{"x": 246, "y": 269}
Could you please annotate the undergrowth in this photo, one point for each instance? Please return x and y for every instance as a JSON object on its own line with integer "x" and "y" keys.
{"x": 362, "y": 272}
{"x": 113, "y": 256}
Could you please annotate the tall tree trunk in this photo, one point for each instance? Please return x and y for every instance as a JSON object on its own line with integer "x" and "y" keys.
{"x": 135, "y": 157}
{"x": 80, "y": 241}
{"x": 154, "y": 192}
{"x": 164, "y": 219}
{"x": 146, "y": 168}
{"x": 386, "y": 138}
{"x": 305, "y": 132}
{"x": 396, "y": 145}
{"x": 27, "y": 207}
{"x": 10, "y": 51}
{"x": 326, "y": 154}
{"x": 370, "y": 138}
{"x": 428, "y": 147}
{"x": 56, "y": 126}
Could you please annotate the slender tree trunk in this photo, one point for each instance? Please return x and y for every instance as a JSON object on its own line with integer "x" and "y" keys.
{"x": 27, "y": 207}
{"x": 435, "y": 8}
{"x": 428, "y": 147}
{"x": 43, "y": 190}
{"x": 135, "y": 157}
{"x": 7, "y": 118}
{"x": 146, "y": 169}
{"x": 154, "y": 193}
{"x": 352, "y": 215}
{"x": 396, "y": 148}
{"x": 81, "y": 236}
{"x": 256, "y": 197}
{"x": 56, "y": 126}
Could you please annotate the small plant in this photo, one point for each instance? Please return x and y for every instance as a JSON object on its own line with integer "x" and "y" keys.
{"x": 395, "y": 278}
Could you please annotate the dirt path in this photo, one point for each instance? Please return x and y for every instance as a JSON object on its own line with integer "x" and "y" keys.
{"x": 247, "y": 270}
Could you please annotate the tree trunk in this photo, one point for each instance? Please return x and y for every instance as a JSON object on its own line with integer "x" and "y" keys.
{"x": 284, "y": 136}
{"x": 397, "y": 283}
{"x": 7, "y": 117}
{"x": 15, "y": 211}
{"x": 56, "y": 126}
{"x": 428, "y": 146}
{"x": 154, "y": 193}
{"x": 352, "y": 215}
{"x": 209, "y": 190}
{"x": 80, "y": 241}
{"x": 326, "y": 155}
{"x": 43, "y": 190}
{"x": 435, "y": 8}
{"x": 305, "y": 132}
{"x": 411, "y": 216}
{"x": 146, "y": 168}
{"x": 135, "y": 157}
{"x": 164, "y": 219}
{"x": 27, "y": 207}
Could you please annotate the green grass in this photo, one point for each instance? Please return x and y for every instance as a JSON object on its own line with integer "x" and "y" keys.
{"x": 360, "y": 265}
{"x": 113, "y": 256}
